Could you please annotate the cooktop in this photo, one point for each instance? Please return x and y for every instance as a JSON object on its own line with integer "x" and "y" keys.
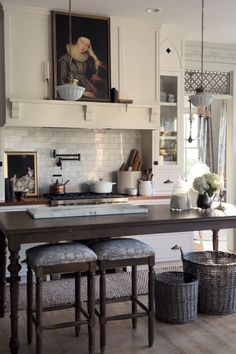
{"x": 85, "y": 198}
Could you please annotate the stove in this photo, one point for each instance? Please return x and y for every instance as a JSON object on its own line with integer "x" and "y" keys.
{"x": 85, "y": 198}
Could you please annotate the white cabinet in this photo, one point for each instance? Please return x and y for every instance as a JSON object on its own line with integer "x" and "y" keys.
{"x": 166, "y": 142}
{"x": 164, "y": 175}
{"x": 164, "y": 180}
{"x": 169, "y": 153}
{"x": 167, "y": 246}
{"x": 162, "y": 148}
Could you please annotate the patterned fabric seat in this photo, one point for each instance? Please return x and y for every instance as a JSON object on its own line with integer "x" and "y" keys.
{"x": 122, "y": 248}
{"x": 125, "y": 252}
{"x": 61, "y": 258}
{"x": 62, "y": 253}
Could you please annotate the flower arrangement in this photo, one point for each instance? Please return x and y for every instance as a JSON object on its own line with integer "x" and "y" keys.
{"x": 208, "y": 183}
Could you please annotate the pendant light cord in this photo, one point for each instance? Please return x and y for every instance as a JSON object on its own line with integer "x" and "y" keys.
{"x": 202, "y": 37}
{"x": 70, "y": 43}
{"x": 70, "y": 29}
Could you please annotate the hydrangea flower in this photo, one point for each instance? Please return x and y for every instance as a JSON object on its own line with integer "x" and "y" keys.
{"x": 209, "y": 183}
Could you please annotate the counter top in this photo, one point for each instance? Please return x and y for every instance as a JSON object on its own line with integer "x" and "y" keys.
{"x": 41, "y": 200}
{"x": 25, "y": 201}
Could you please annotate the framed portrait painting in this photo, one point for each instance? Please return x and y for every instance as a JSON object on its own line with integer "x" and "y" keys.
{"x": 88, "y": 56}
{"x": 21, "y": 169}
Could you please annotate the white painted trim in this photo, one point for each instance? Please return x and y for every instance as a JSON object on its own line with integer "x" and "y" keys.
{"x": 27, "y": 10}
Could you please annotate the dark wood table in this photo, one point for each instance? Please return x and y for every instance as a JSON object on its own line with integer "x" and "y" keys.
{"x": 17, "y": 228}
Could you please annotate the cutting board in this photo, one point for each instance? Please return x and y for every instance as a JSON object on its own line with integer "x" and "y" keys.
{"x": 85, "y": 210}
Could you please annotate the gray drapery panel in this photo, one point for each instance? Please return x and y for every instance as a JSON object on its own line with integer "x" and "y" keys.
{"x": 221, "y": 168}
{"x": 206, "y": 142}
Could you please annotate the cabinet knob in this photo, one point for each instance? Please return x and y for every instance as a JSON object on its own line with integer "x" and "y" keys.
{"x": 175, "y": 247}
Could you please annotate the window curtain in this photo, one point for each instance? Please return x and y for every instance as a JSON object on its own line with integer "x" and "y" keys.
{"x": 206, "y": 141}
{"x": 221, "y": 168}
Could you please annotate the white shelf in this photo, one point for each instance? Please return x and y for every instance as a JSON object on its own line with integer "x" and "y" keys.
{"x": 82, "y": 114}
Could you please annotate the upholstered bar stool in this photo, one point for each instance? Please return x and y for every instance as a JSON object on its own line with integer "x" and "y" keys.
{"x": 60, "y": 258}
{"x": 125, "y": 252}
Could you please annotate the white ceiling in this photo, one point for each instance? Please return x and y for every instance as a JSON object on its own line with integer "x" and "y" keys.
{"x": 184, "y": 15}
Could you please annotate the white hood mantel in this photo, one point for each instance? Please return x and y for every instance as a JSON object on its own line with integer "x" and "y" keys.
{"x": 81, "y": 114}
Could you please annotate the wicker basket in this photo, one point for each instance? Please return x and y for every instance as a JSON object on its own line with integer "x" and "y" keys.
{"x": 176, "y": 295}
{"x": 217, "y": 280}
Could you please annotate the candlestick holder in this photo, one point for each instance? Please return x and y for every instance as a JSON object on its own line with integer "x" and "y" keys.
{"x": 221, "y": 197}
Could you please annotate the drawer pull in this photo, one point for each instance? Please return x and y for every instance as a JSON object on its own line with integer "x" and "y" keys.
{"x": 175, "y": 247}
{"x": 168, "y": 181}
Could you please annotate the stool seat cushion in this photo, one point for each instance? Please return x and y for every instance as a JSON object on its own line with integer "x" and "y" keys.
{"x": 61, "y": 253}
{"x": 122, "y": 248}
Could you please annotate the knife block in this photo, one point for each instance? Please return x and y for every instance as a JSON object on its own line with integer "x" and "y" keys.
{"x": 126, "y": 180}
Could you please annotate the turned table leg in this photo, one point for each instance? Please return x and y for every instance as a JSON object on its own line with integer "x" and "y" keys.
{"x": 14, "y": 268}
{"x": 215, "y": 240}
{"x": 3, "y": 247}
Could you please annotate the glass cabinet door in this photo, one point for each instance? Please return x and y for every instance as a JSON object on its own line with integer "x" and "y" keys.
{"x": 168, "y": 120}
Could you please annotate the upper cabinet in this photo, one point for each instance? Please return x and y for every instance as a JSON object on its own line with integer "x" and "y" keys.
{"x": 169, "y": 114}
{"x": 167, "y": 141}
{"x": 134, "y": 73}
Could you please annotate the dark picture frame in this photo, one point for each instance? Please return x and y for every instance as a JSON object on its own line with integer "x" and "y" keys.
{"x": 93, "y": 74}
{"x": 20, "y": 167}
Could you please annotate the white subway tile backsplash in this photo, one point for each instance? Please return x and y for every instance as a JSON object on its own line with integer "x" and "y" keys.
{"x": 102, "y": 152}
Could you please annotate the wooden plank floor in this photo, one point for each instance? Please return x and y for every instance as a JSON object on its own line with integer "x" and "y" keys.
{"x": 209, "y": 334}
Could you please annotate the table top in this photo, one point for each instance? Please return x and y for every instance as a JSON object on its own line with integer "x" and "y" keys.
{"x": 19, "y": 227}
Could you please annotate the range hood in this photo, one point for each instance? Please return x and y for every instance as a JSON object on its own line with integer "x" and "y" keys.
{"x": 79, "y": 114}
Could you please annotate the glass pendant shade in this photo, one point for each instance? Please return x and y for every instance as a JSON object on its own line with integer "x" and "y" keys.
{"x": 70, "y": 91}
{"x": 201, "y": 99}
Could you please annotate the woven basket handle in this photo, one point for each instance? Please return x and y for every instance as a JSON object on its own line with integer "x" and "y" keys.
{"x": 182, "y": 254}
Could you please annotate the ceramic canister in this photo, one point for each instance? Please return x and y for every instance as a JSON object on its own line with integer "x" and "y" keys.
{"x": 145, "y": 187}
{"x": 127, "y": 180}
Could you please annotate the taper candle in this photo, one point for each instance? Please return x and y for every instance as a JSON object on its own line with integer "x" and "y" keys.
{"x": 46, "y": 70}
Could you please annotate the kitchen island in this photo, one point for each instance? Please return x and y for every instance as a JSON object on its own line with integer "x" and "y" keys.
{"x": 18, "y": 228}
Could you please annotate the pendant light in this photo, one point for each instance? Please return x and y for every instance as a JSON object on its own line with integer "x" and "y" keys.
{"x": 201, "y": 98}
{"x": 70, "y": 91}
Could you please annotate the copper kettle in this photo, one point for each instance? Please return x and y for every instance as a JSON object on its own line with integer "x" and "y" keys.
{"x": 57, "y": 186}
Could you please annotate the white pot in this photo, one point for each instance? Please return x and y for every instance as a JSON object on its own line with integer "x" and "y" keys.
{"x": 101, "y": 186}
